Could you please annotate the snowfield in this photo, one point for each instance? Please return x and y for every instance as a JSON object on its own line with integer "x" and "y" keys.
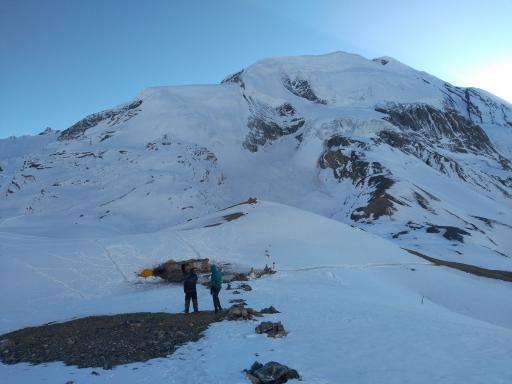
{"x": 358, "y": 308}
{"x": 351, "y": 161}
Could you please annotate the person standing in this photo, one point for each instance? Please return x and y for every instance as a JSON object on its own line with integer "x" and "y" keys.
{"x": 189, "y": 287}
{"x": 216, "y": 285}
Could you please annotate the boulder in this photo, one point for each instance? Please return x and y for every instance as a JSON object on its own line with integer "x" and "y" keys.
{"x": 271, "y": 329}
{"x": 239, "y": 277}
{"x": 269, "y": 310}
{"x": 237, "y": 301}
{"x": 239, "y": 312}
{"x": 271, "y": 373}
{"x": 245, "y": 287}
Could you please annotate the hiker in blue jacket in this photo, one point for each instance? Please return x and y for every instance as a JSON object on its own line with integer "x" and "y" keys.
{"x": 189, "y": 287}
{"x": 216, "y": 285}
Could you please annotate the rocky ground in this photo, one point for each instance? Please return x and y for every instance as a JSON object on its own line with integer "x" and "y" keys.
{"x": 105, "y": 341}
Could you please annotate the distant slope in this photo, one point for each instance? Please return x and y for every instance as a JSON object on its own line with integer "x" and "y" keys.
{"x": 372, "y": 143}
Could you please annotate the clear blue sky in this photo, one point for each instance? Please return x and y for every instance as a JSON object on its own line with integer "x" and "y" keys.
{"x": 61, "y": 60}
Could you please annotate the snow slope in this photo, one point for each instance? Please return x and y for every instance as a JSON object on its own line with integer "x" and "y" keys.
{"x": 60, "y": 268}
{"x": 358, "y": 308}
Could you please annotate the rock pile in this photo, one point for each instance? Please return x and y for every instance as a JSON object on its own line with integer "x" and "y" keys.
{"x": 271, "y": 373}
{"x": 239, "y": 312}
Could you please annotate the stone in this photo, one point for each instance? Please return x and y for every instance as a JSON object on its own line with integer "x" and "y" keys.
{"x": 271, "y": 373}
{"x": 245, "y": 287}
{"x": 269, "y": 310}
{"x": 271, "y": 329}
{"x": 239, "y": 312}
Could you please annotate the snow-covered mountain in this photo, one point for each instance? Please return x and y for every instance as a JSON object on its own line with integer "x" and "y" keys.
{"x": 372, "y": 143}
{"x": 350, "y": 160}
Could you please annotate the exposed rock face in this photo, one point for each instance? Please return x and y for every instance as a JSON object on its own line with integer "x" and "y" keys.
{"x": 450, "y": 233}
{"x": 301, "y": 88}
{"x": 114, "y": 117}
{"x": 462, "y": 134}
{"x": 479, "y": 108}
{"x": 235, "y": 78}
{"x": 271, "y": 373}
{"x": 381, "y": 61}
{"x": 422, "y": 149}
{"x": 347, "y": 160}
{"x": 268, "y": 124}
{"x": 432, "y": 135}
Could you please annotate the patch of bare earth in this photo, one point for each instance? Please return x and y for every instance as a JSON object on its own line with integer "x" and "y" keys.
{"x": 105, "y": 341}
{"x": 468, "y": 268}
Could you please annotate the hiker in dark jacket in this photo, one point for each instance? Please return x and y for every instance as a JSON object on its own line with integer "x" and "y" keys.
{"x": 189, "y": 287}
{"x": 216, "y": 285}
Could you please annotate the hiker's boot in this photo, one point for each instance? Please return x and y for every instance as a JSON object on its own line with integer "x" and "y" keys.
{"x": 196, "y": 307}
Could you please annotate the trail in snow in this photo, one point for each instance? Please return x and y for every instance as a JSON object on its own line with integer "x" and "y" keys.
{"x": 109, "y": 255}
{"x": 352, "y": 266}
{"x": 50, "y": 277}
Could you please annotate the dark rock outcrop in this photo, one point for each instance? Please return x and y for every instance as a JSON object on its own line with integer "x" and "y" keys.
{"x": 450, "y": 233}
{"x": 235, "y": 78}
{"x": 477, "y": 106}
{"x": 269, "y": 310}
{"x": 432, "y": 135}
{"x": 347, "y": 160}
{"x": 301, "y": 88}
{"x": 437, "y": 125}
{"x": 271, "y": 373}
{"x": 112, "y": 116}
{"x": 267, "y": 124}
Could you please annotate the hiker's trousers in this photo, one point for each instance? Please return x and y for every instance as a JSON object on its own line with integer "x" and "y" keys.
{"x": 216, "y": 300}
{"x": 191, "y": 296}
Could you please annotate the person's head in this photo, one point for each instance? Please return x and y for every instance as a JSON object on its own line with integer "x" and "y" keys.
{"x": 213, "y": 268}
{"x": 192, "y": 270}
